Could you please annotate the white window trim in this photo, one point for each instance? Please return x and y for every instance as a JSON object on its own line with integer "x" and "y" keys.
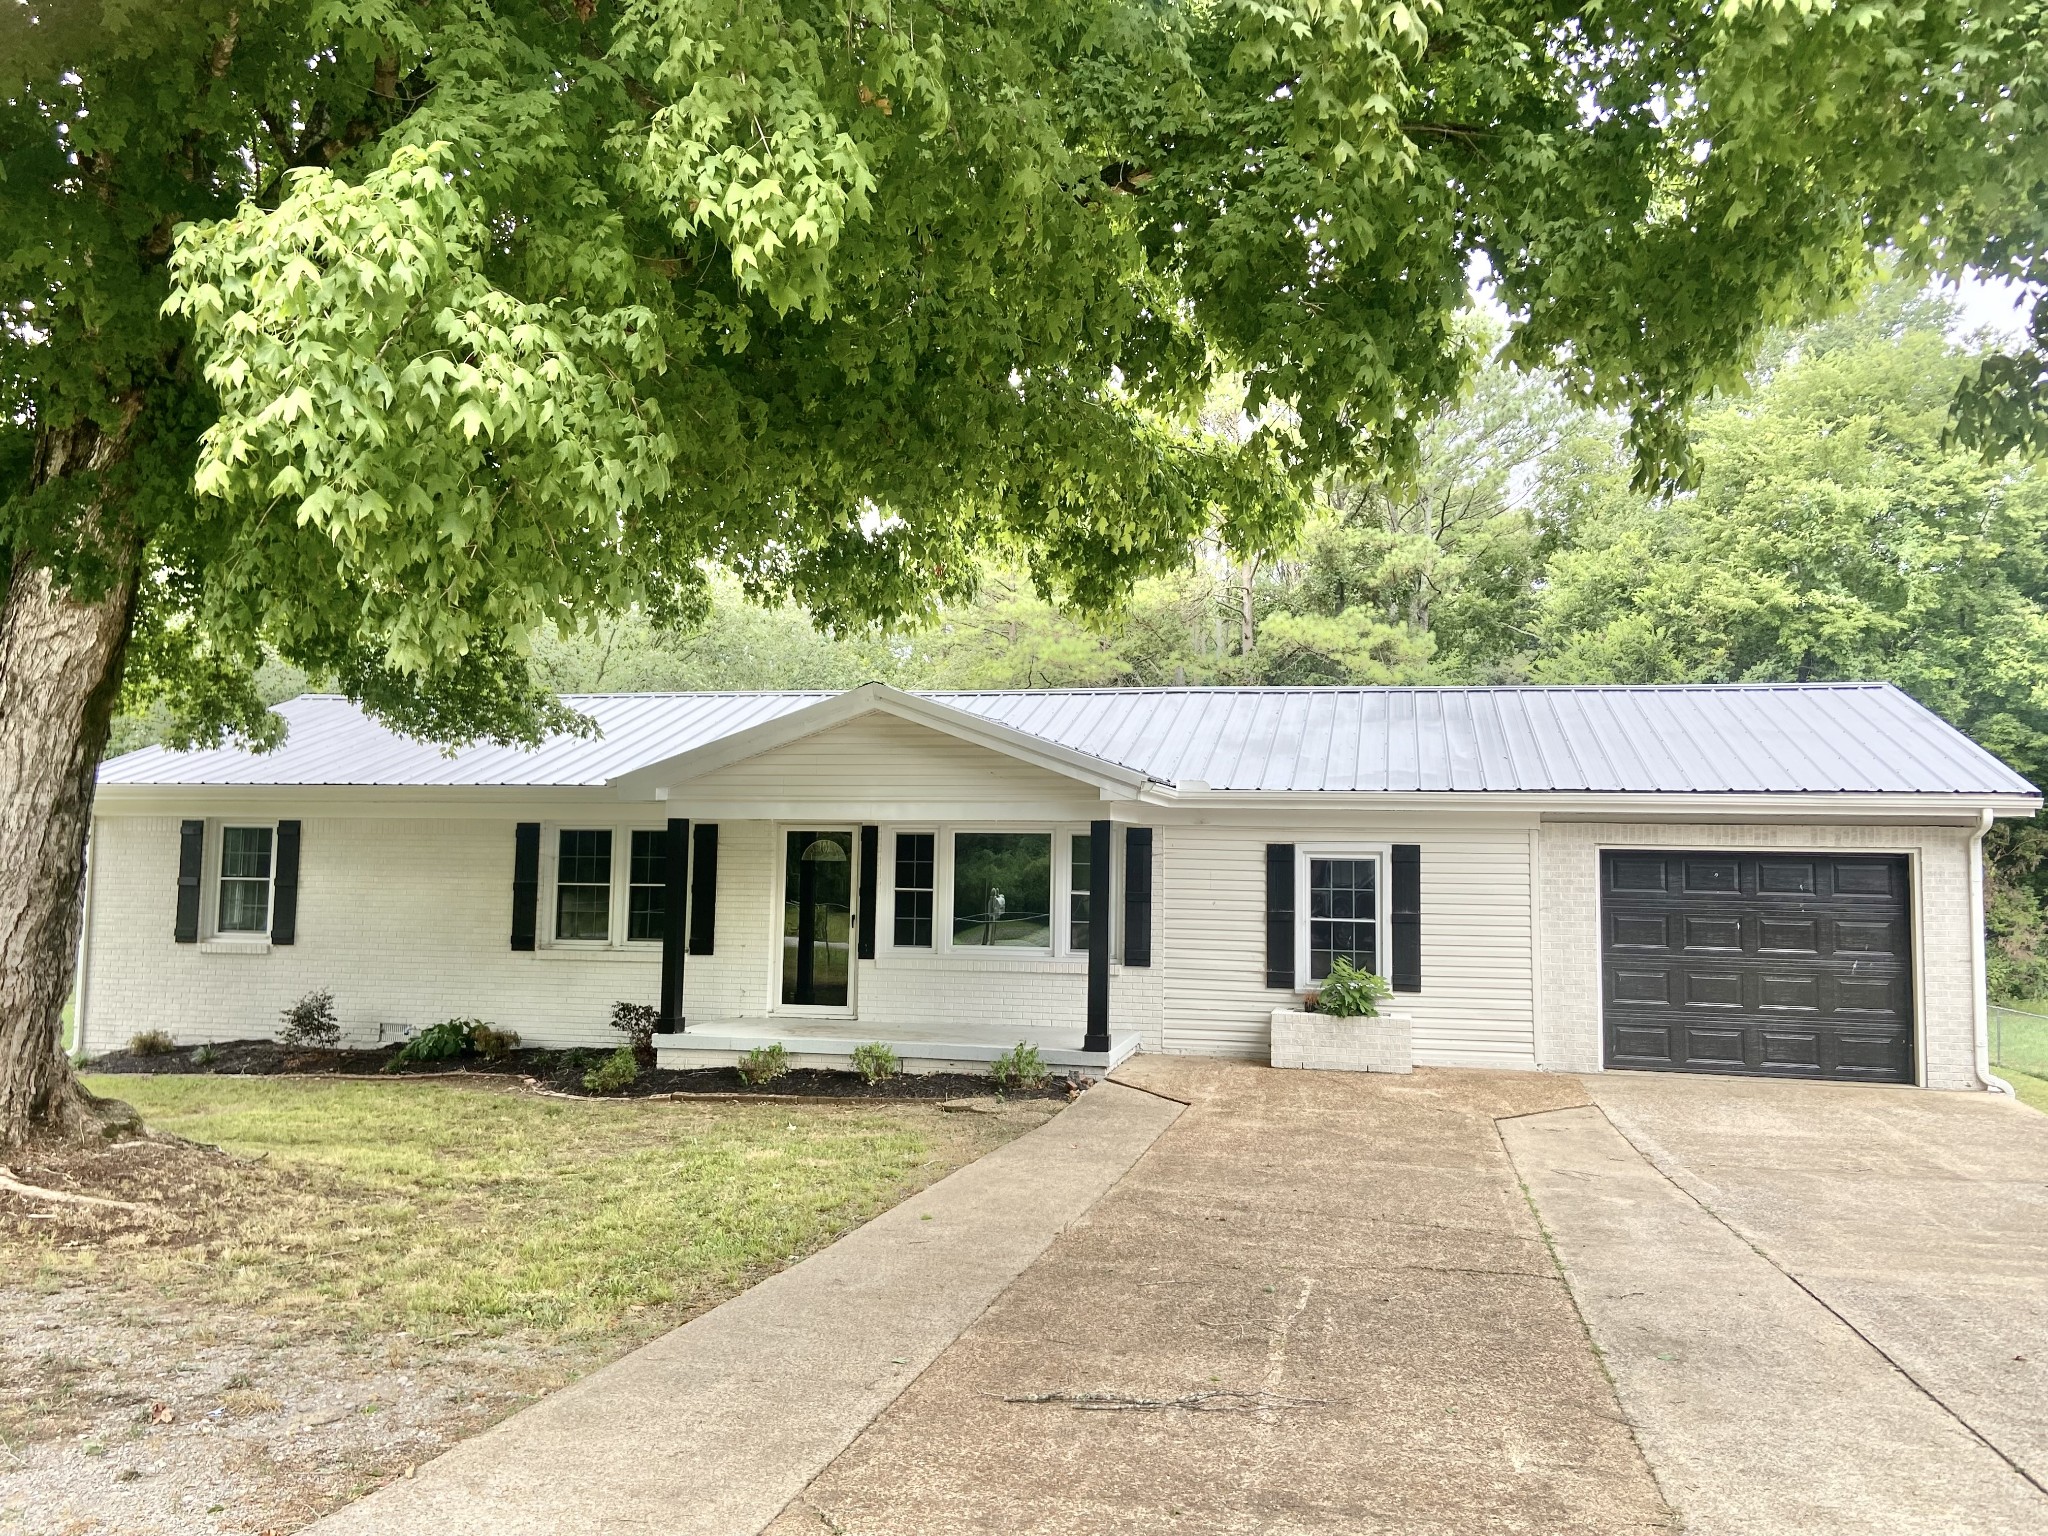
{"x": 615, "y": 943}
{"x": 1060, "y": 953}
{"x": 885, "y": 890}
{"x": 1383, "y": 856}
{"x": 213, "y": 939}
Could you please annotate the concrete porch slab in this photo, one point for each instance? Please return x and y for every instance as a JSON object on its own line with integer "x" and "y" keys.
{"x": 830, "y": 1045}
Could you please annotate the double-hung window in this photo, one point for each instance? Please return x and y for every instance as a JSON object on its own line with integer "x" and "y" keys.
{"x": 916, "y": 888}
{"x": 1343, "y": 912}
{"x": 583, "y": 885}
{"x": 1079, "y": 876}
{"x": 647, "y": 886}
{"x": 247, "y": 866}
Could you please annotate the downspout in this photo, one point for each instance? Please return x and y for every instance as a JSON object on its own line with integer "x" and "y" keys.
{"x": 1980, "y": 994}
{"x": 80, "y": 993}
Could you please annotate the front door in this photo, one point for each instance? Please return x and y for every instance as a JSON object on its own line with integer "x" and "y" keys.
{"x": 817, "y": 918}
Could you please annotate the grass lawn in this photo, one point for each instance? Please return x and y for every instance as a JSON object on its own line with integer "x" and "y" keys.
{"x": 2019, "y": 1048}
{"x": 351, "y": 1275}
{"x": 437, "y": 1206}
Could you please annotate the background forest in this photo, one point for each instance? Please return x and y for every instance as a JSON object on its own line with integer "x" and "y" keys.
{"x": 1832, "y": 534}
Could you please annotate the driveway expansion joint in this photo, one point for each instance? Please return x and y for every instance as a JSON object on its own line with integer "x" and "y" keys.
{"x": 1656, "y": 1165}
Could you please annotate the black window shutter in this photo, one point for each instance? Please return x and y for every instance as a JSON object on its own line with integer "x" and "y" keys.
{"x": 1137, "y": 896}
{"x": 870, "y": 859}
{"x": 1406, "y": 894}
{"x": 284, "y": 892}
{"x": 675, "y": 871}
{"x": 1280, "y": 915}
{"x": 525, "y": 883}
{"x": 703, "y": 886}
{"x": 191, "y": 851}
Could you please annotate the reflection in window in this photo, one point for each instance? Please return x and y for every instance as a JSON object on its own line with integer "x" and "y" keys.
{"x": 1002, "y": 889}
{"x": 1343, "y": 914}
{"x": 583, "y": 885}
{"x": 817, "y": 918}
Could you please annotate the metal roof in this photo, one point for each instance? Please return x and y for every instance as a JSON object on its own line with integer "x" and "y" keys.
{"x": 1821, "y": 738}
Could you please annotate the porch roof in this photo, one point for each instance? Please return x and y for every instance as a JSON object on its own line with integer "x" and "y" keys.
{"x": 1831, "y": 738}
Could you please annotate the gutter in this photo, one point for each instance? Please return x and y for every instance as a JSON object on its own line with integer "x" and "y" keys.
{"x": 1980, "y": 994}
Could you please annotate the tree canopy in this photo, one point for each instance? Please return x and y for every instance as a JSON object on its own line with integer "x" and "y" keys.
{"x": 425, "y": 326}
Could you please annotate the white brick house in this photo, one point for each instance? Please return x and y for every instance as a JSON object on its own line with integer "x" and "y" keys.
{"x": 1775, "y": 880}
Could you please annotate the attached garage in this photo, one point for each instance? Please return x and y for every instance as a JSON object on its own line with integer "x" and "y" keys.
{"x": 1780, "y": 964}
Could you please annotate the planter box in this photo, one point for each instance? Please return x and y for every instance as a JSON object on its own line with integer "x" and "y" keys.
{"x": 1318, "y": 1041}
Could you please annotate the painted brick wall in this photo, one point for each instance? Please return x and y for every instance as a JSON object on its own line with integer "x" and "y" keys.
{"x": 407, "y": 922}
{"x": 1947, "y": 944}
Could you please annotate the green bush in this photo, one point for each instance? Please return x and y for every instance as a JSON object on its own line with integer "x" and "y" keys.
{"x": 151, "y": 1042}
{"x": 637, "y": 1022}
{"x": 875, "y": 1061}
{"x": 311, "y": 1022}
{"x": 616, "y": 1073}
{"x": 438, "y": 1042}
{"x": 763, "y": 1064}
{"x": 205, "y": 1056}
{"x": 1349, "y": 993}
{"x": 1019, "y": 1067}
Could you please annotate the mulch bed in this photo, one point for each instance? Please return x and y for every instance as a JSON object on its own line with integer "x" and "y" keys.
{"x": 556, "y": 1071}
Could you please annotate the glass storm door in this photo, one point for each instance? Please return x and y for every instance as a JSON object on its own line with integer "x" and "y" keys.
{"x": 817, "y": 918}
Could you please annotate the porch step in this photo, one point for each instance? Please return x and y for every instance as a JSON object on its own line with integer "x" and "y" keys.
{"x": 720, "y": 1045}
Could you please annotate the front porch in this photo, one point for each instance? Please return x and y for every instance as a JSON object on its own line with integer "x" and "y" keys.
{"x": 829, "y": 1044}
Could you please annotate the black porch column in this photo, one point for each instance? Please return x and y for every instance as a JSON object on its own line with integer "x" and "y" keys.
{"x": 1099, "y": 834}
{"x": 675, "y": 900}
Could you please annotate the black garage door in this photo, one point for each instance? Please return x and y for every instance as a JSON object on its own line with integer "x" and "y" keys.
{"x": 1779, "y": 964}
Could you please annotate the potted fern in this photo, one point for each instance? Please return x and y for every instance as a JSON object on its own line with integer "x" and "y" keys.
{"x": 1339, "y": 1027}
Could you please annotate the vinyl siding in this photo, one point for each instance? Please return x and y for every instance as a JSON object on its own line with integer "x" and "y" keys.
{"x": 879, "y": 763}
{"x": 1477, "y": 1003}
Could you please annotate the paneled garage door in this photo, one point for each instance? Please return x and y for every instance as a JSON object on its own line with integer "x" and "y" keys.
{"x": 1776, "y": 964}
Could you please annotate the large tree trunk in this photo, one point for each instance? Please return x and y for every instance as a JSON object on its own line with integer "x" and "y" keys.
{"x": 60, "y": 677}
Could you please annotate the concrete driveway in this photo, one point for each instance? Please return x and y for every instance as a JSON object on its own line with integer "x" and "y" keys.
{"x": 1319, "y": 1303}
{"x": 1825, "y": 1306}
{"x": 1331, "y": 1303}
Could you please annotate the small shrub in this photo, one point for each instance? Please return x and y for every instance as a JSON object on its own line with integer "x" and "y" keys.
{"x": 636, "y": 1021}
{"x": 311, "y": 1022}
{"x": 616, "y": 1073}
{"x": 438, "y": 1042}
{"x": 763, "y": 1064}
{"x": 151, "y": 1042}
{"x": 205, "y": 1056}
{"x": 1349, "y": 993}
{"x": 1019, "y": 1067}
{"x": 875, "y": 1061}
{"x": 493, "y": 1044}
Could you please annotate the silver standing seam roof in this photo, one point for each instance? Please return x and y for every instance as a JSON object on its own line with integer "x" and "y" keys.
{"x": 1818, "y": 738}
